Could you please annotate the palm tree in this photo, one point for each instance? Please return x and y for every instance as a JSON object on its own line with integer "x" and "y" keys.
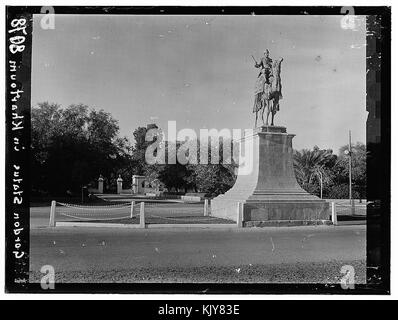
{"x": 313, "y": 163}
{"x": 324, "y": 175}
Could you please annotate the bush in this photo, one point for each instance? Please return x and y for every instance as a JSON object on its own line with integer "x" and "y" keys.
{"x": 342, "y": 191}
{"x": 311, "y": 188}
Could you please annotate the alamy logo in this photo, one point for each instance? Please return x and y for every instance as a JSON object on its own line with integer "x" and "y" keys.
{"x": 348, "y": 280}
{"x": 211, "y": 146}
{"x": 47, "y": 22}
{"x": 48, "y": 280}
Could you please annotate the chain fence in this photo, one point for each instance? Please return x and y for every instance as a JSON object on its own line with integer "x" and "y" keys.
{"x": 161, "y": 212}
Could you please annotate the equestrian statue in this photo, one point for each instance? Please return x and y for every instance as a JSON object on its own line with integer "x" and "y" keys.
{"x": 268, "y": 89}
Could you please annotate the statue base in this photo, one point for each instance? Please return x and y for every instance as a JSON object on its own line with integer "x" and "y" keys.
{"x": 269, "y": 191}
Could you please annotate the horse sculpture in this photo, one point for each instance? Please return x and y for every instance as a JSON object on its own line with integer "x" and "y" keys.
{"x": 268, "y": 93}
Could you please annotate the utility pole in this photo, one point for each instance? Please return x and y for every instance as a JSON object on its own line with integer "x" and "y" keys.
{"x": 350, "y": 172}
{"x": 350, "y": 164}
{"x": 349, "y": 154}
{"x": 321, "y": 178}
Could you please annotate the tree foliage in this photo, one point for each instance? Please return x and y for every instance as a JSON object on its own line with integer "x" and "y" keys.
{"x": 312, "y": 165}
{"x": 212, "y": 178}
{"x": 72, "y": 146}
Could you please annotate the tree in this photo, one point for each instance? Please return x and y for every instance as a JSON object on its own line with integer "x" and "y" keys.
{"x": 313, "y": 166}
{"x": 215, "y": 178}
{"x": 140, "y": 147}
{"x": 314, "y": 169}
{"x": 72, "y": 146}
{"x": 358, "y": 155}
{"x": 211, "y": 178}
{"x": 172, "y": 174}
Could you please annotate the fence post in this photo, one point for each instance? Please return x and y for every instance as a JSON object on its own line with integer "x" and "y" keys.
{"x": 100, "y": 185}
{"x": 132, "y": 209}
{"x": 239, "y": 217}
{"x": 206, "y": 208}
{"x": 142, "y": 215}
{"x": 334, "y": 214}
{"x": 119, "y": 183}
{"x": 52, "y": 214}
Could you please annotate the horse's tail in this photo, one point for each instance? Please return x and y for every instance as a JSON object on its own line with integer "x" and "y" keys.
{"x": 276, "y": 105}
{"x": 275, "y": 102}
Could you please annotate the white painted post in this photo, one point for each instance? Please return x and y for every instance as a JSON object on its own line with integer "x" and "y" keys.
{"x": 134, "y": 184}
{"x": 119, "y": 182}
{"x": 100, "y": 185}
{"x": 334, "y": 214}
{"x": 142, "y": 215}
{"x": 206, "y": 208}
{"x": 239, "y": 217}
{"x": 132, "y": 209}
{"x": 52, "y": 214}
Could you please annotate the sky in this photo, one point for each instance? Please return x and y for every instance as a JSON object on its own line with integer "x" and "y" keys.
{"x": 198, "y": 71}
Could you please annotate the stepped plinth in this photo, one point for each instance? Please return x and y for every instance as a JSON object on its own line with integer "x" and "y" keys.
{"x": 269, "y": 192}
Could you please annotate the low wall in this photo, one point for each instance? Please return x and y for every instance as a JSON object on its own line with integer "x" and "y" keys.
{"x": 191, "y": 198}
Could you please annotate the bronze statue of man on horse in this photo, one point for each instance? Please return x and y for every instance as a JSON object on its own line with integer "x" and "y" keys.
{"x": 268, "y": 89}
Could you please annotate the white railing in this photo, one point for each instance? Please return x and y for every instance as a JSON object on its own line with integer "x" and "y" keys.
{"x": 195, "y": 213}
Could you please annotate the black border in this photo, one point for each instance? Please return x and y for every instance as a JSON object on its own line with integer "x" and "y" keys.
{"x": 378, "y": 161}
{"x": 17, "y": 161}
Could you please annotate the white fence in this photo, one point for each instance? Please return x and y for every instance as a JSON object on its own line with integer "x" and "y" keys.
{"x": 139, "y": 214}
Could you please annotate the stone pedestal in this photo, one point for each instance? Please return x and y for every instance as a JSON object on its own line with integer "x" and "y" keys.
{"x": 269, "y": 192}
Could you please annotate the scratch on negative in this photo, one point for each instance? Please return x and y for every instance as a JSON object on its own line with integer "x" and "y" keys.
{"x": 273, "y": 246}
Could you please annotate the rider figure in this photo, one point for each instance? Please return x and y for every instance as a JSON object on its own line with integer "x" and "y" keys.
{"x": 266, "y": 65}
